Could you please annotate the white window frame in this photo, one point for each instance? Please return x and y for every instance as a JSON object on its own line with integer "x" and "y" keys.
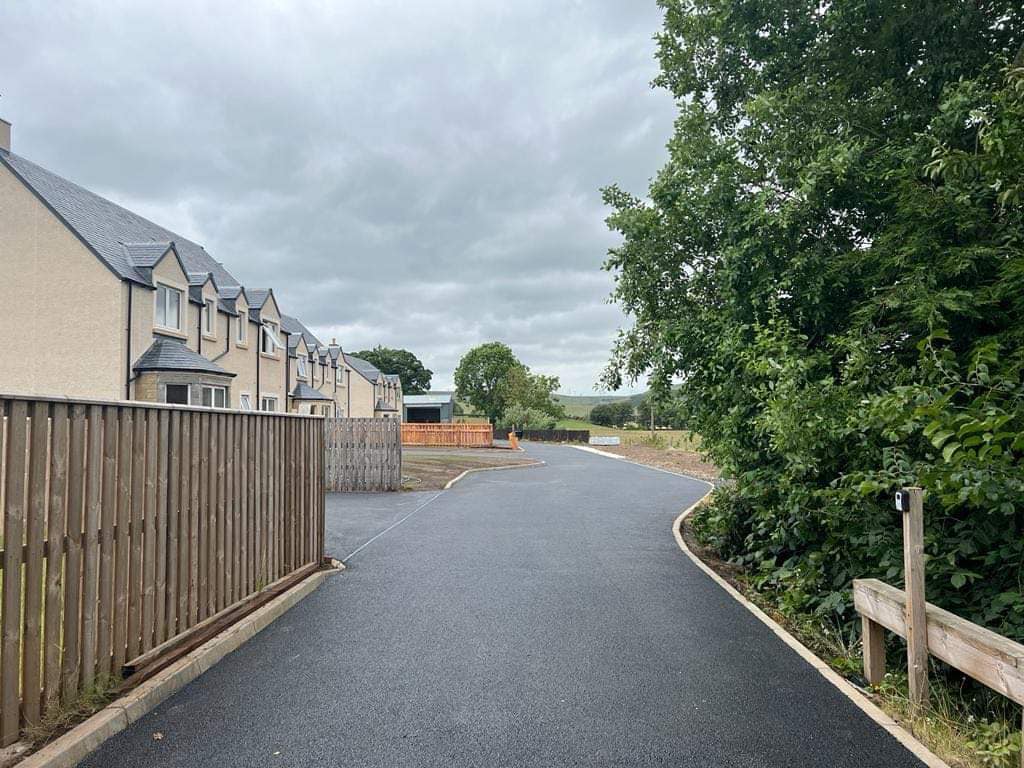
{"x": 300, "y": 367}
{"x": 268, "y": 399}
{"x": 242, "y": 332}
{"x": 209, "y": 313}
{"x": 268, "y": 332}
{"x": 162, "y": 301}
{"x": 245, "y": 401}
{"x": 214, "y": 389}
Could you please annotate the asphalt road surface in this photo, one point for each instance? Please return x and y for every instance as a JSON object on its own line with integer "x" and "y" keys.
{"x": 532, "y": 617}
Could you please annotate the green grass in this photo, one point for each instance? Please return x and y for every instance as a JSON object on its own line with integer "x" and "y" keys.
{"x": 578, "y": 406}
{"x": 663, "y": 438}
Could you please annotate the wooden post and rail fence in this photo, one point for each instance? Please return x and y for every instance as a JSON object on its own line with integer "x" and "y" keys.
{"x": 989, "y": 658}
{"x": 128, "y": 527}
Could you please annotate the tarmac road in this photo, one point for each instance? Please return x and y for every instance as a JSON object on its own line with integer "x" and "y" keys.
{"x": 533, "y": 617}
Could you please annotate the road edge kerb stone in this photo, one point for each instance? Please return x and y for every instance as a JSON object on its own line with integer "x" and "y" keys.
{"x": 847, "y": 688}
{"x": 461, "y": 475}
{"x": 69, "y": 749}
{"x": 897, "y": 731}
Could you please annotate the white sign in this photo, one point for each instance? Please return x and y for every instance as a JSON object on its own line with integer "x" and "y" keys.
{"x": 605, "y": 440}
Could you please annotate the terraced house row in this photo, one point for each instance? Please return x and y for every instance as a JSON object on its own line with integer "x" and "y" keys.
{"x": 98, "y": 302}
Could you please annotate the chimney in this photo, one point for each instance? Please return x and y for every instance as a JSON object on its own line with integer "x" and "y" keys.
{"x": 5, "y": 135}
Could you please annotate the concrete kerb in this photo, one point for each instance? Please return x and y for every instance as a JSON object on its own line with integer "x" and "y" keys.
{"x": 524, "y": 465}
{"x": 74, "y": 745}
{"x": 847, "y": 688}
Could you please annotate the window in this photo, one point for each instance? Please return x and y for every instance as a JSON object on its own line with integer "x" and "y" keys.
{"x": 168, "y": 307}
{"x": 339, "y": 376}
{"x": 301, "y": 367}
{"x": 177, "y": 394}
{"x": 268, "y": 403}
{"x": 245, "y": 402}
{"x": 240, "y": 334}
{"x": 208, "y": 314}
{"x": 215, "y": 397}
{"x": 269, "y": 341}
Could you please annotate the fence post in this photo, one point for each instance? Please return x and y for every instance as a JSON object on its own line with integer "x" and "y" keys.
{"x": 873, "y": 640}
{"x": 917, "y": 630}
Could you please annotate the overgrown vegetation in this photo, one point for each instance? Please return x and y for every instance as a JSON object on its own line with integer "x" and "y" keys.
{"x": 832, "y": 264}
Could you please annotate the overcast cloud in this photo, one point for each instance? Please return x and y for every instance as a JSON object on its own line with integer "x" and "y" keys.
{"x": 421, "y": 175}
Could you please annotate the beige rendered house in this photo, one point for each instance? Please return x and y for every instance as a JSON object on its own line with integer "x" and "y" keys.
{"x": 317, "y": 375}
{"x": 131, "y": 309}
{"x": 374, "y": 394}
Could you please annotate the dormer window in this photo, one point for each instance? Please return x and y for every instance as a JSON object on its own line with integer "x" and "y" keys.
{"x": 243, "y": 329}
{"x": 208, "y": 314}
{"x": 301, "y": 368}
{"x": 168, "y": 307}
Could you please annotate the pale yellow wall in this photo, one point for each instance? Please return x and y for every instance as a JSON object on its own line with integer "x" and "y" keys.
{"x": 272, "y": 367}
{"x": 363, "y": 396}
{"x": 61, "y": 309}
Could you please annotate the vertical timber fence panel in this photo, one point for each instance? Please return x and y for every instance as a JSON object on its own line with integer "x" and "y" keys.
{"x": 448, "y": 435}
{"x": 125, "y": 524}
{"x": 359, "y": 455}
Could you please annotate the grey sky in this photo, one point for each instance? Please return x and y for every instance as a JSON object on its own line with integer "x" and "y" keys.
{"x": 421, "y": 175}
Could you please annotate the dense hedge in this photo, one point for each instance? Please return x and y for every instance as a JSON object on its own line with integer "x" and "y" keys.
{"x": 832, "y": 262}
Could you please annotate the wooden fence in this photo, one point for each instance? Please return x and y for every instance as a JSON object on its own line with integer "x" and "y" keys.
{"x": 989, "y": 658}
{"x": 363, "y": 454}
{"x": 126, "y": 525}
{"x": 549, "y": 435}
{"x": 448, "y": 435}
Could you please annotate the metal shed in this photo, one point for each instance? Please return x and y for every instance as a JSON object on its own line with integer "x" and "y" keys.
{"x": 431, "y": 408}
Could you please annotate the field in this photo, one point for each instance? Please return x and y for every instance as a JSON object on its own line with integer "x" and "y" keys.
{"x": 578, "y": 406}
{"x": 665, "y": 438}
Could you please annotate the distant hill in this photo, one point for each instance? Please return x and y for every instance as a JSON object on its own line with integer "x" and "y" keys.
{"x": 580, "y": 405}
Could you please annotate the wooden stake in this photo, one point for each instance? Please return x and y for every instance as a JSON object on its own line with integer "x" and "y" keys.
{"x": 917, "y": 630}
{"x": 872, "y": 638}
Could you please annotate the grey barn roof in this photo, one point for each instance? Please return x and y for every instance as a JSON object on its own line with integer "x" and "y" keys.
{"x": 170, "y": 355}
{"x": 430, "y": 398}
{"x": 107, "y": 228}
{"x": 305, "y": 392}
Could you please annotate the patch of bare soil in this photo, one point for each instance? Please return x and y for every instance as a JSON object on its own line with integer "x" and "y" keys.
{"x": 673, "y": 459}
{"x": 428, "y": 469}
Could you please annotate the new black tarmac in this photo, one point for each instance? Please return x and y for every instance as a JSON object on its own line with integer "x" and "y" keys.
{"x": 536, "y": 617}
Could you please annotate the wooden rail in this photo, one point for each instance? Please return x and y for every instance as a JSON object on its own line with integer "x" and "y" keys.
{"x": 992, "y": 659}
{"x": 363, "y": 455}
{"x": 128, "y": 524}
{"x": 448, "y": 435}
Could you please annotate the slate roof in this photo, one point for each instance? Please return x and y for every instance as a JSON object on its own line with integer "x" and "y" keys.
{"x": 365, "y": 368}
{"x": 146, "y": 255}
{"x": 394, "y": 378}
{"x": 382, "y": 406}
{"x": 430, "y": 398}
{"x": 106, "y": 228}
{"x": 305, "y": 392}
{"x": 294, "y": 326}
{"x": 170, "y": 355}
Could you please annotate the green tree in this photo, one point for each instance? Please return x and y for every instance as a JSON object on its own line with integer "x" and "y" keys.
{"x": 523, "y": 417}
{"x": 480, "y": 378}
{"x": 530, "y": 391}
{"x": 614, "y": 414}
{"x": 832, "y": 262}
{"x": 415, "y": 377}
